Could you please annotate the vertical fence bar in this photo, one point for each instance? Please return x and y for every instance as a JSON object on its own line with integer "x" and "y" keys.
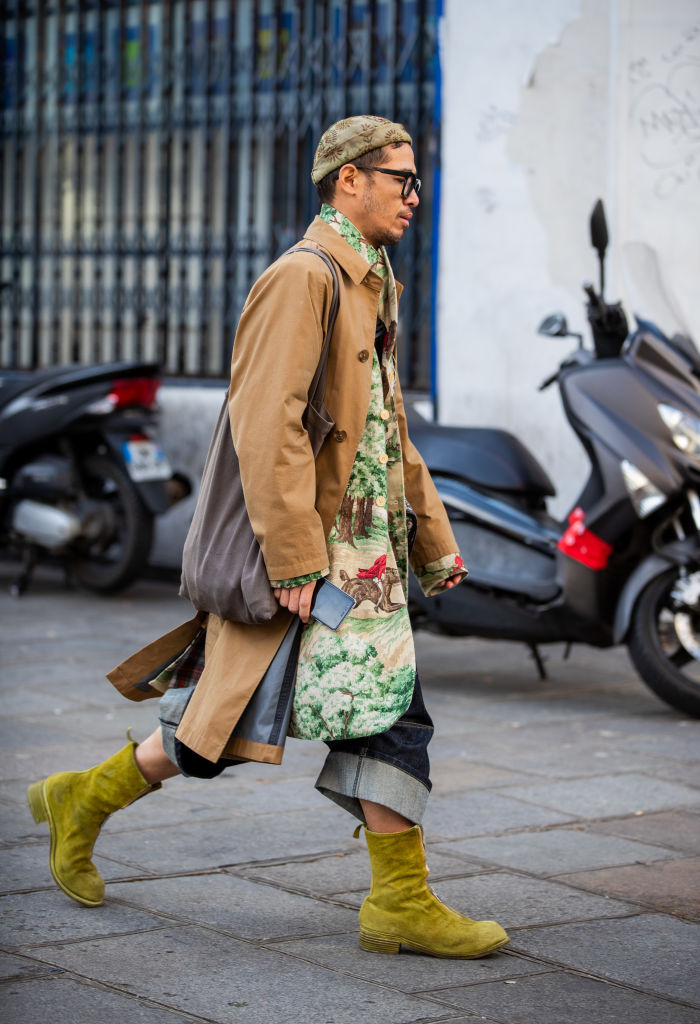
{"x": 118, "y": 247}
{"x": 77, "y": 149}
{"x": 98, "y": 278}
{"x": 58, "y": 169}
{"x": 228, "y": 152}
{"x": 206, "y": 77}
{"x": 184, "y": 199}
{"x": 138, "y": 262}
{"x": 16, "y": 207}
{"x": 35, "y": 186}
{"x": 165, "y": 181}
{"x": 5, "y": 115}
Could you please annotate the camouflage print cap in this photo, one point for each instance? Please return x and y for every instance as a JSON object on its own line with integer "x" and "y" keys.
{"x": 352, "y": 137}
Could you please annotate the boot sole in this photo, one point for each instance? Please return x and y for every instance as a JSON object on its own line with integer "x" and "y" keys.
{"x": 376, "y": 944}
{"x": 39, "y": 806}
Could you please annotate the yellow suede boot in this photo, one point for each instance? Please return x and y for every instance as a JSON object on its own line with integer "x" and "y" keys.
{"x": 401, "y": 910}
{"x": 75, "y": 804}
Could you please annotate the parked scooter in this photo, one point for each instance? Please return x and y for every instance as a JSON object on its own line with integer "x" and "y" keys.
{"x": 82, "y": 475}
{"x": 625, "y": 566}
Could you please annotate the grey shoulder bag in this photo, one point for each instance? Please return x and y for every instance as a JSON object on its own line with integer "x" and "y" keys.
{"x": 223, "y": 570}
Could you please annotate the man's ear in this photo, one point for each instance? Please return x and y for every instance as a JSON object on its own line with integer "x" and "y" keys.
{"x": 348, "y": 180}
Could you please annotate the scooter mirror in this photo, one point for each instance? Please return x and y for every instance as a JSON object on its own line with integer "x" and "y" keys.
{"x": 555, "y": 326}
{"x": 599, "y": 228}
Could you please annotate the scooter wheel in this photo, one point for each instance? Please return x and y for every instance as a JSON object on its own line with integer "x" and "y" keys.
{"x": 119, "y": 530}
{"x": 664, "y": 639}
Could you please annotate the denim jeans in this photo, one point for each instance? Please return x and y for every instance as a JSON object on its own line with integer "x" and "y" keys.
{"x": 391, "y": 768}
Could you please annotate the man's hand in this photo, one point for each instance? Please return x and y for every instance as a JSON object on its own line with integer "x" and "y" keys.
{"x": 296, "y": 599}
{"x": 452, "y": 581}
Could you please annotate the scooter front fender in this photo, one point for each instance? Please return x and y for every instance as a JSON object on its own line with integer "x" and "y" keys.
{"x": 679, "y": 553}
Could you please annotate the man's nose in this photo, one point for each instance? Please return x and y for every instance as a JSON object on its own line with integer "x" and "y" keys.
{"x": 412, "y": 199}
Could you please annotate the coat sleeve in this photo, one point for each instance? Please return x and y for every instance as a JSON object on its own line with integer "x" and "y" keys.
{"x": 434, "y": 539}
{"x": 275, "y": 354}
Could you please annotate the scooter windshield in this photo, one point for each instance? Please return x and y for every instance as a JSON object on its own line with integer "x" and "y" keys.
{"x": 649, "y": 294}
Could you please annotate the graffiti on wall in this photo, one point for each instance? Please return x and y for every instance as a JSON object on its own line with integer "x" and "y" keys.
{"x": 665, "y": 114}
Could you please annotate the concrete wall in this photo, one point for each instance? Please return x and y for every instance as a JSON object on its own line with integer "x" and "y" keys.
{"x": 547, "y": 105}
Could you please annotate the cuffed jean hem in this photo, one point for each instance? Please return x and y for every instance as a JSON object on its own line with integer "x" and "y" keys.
{"x": 348, "y": 778}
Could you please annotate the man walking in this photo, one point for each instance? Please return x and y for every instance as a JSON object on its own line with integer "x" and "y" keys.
{"x": 341, "y": 515}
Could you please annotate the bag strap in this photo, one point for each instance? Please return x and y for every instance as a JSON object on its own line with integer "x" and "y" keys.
{"x": 317, "y": 388}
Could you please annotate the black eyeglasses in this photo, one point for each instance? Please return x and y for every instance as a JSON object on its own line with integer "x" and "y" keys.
{"x": 410, "y": 181}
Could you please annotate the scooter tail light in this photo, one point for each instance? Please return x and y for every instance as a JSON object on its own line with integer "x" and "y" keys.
{"x": 139, "y": 391}
{"x": 581, "y": 544}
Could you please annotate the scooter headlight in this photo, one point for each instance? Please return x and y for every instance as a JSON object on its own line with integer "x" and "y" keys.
{"x": 685, "y": 429}
{"x": 644, "y": 495}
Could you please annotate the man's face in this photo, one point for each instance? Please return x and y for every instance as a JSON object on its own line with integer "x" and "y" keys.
{"x": 385, "y": 214}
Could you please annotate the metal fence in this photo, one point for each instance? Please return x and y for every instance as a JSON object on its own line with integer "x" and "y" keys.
{"x": 156, "y": 157}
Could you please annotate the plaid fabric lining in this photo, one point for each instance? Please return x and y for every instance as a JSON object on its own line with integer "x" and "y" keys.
{"x": 191, "y": 665}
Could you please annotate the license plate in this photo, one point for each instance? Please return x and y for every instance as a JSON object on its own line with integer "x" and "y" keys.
{"x": 145, "y": 461}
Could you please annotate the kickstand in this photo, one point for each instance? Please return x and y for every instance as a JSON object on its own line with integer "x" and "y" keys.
{"x": 567, "y": 650}
{"x": 534, "y": 651}
{"x": 20, "y": 585}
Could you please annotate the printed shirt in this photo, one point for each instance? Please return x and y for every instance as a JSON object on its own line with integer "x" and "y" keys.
{"x": 359, "y": 679}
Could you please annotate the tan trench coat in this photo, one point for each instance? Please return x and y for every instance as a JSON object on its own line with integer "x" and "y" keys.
{"x": 292, "y": 502}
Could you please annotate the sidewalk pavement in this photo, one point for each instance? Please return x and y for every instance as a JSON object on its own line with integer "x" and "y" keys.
{"x": 567, "y": 810}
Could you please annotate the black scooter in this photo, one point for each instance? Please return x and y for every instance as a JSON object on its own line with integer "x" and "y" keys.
{"x": 625, "y": 566}
{"x": 82, "y": 475}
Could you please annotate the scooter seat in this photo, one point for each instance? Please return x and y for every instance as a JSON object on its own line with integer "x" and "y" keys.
{"x": 484, "y": 456}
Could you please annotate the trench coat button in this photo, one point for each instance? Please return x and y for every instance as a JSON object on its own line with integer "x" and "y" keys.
{"x": 380, "y": 501}
{"x": 363, "y": 356}
{"x": 383, "y": 459}
{"x": 340, "y": 435}
{"x": 384, "y": 414}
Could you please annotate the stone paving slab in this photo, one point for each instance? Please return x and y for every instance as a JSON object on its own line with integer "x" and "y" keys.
{"x": 670, "y": 735}
{"x": 278, "y": 794}
{"x": 238, "y": 906}
{"x": 564, "y": 997}
{"x": 677, "y": 830}
{"x": 608, "y": 795}
{"x": 459, "y": 815}
{"x": 226, "y": 981}
{"x": 47, "y": 702}
{"x": 231, "y": 841}
{"x": 559, "y": 850}
{"x": 108, "y": 721}
{"x": 63, "y": 753}
{"x": 350, "y": 872}
{"x": 552, "y": 709}
{"x": 27, "y": 867}
{"x": 544, "y": 757}
{"x": 671, "y": 886}
{"x": 21, "y": 967}
{"x": 67, "y": 999}
{"x": 167, "y": 806}
{"x": 653, "y": 952}
{"x": 29, "y": 919}
{"x": 409, "y": 972}
{"x": 18, "y": 827}
{"x": 451, "y": 774}
{"x": 516, "y": 901}
{"x": 679, "y": 771}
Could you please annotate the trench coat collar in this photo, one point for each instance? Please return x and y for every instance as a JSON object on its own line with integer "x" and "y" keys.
{"x": 354, "y": 265}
